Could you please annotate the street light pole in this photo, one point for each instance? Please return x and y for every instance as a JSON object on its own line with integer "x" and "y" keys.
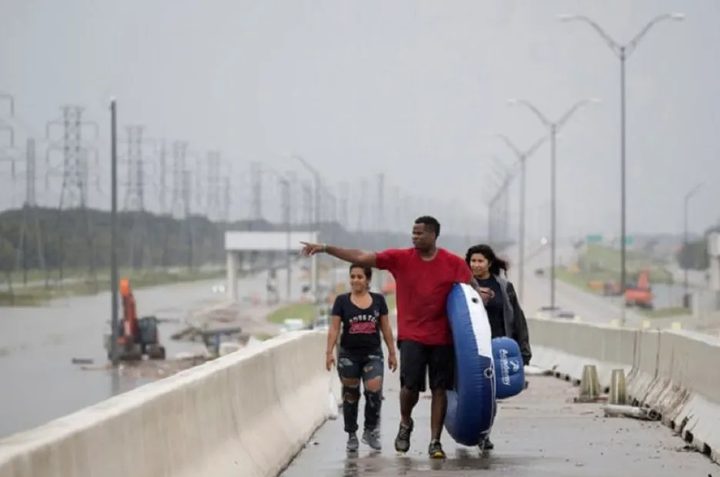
{"x": 522, "y": 159}
{"x": 686, "y": 243}
{"x": 553, "y": 212}
{"x": 623, "y": 190}
{"x": 553, "y": 127}
{"x": 114, "y": 302}
{"x": 622, "y": 52}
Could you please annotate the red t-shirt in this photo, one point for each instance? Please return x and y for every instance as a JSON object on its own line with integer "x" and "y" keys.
{"x": 422, "y": 288}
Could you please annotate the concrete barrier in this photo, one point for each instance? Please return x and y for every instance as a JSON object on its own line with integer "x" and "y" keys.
{"x": 673, "y": 372}
{"x": 245, "y": 414}
{"x": 564, "y": 347}
{"x": 686, "y": 388}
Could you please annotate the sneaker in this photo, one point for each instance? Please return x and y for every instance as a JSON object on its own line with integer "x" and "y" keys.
{"x": 352, "y": 443}
{"x": 371, "y": 437}
{"x": 486, "y": 444}
{"x": 435, "y": 450}
{"x": 402, "y": 441}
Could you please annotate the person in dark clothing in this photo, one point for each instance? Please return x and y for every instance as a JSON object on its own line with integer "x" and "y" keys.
{"x": 363, "y": 316}
{"x": 505, "y": 315}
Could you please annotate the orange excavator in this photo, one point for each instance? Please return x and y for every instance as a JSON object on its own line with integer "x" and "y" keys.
{"x": 641, "y": 294}
{"x": 136, "y": 337}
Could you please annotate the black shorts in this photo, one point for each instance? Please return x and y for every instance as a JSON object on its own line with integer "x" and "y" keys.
{"x": 417, "y": 360}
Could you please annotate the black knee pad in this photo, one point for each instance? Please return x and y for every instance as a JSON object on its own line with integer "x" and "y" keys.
{"x": 374, "y": 398}
{"x": 351, "y": 393}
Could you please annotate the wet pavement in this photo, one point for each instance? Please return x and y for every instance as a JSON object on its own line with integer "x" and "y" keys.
{"x": 541, "y": 432}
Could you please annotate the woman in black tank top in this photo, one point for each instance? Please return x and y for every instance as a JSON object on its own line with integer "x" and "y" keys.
{"x": 362, "y": 315}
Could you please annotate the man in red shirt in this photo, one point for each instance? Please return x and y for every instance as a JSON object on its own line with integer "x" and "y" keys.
{"x": 424, "y": 275}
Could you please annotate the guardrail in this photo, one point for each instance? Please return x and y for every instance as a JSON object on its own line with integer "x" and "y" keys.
{"x": 675, "y": 373}
{"x": 245, "y": 414}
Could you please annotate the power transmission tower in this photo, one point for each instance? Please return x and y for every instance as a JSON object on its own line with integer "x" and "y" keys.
{"x": 294, "y": 196}
{"x": 135, "y": 193}
{"x": 307, "y": 201}
{"x": 343, "y": 199}
{"x": 362, "y": 205}
{"x": 197, "y": 190}
{"x": 162, "y": 178}
{"x": 75, "y": 175}
{"x": 179, "y": 207}
{"x": 227, "y": 200}
{"x": 256, "y": 178}
{"x": 213, "y": 208}
{"x": 332, "y": 207}
{"x": 381, "y": 202}
{"x": 395, "y": 199}
{"x": 75, "y": 156}
{"x": 187, "y": 195}
{"x": 7, "y": 109}
{"x": 135, "y": 185}
{"x": 8, "y": 102}
{"x": 8, "y": 151}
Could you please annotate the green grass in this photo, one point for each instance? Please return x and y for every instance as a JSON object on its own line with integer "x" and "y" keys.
{"x": 22, "y": 299}
{"x": 305, "y": 311}
{"x": 603, "y": 263}
{"x": 599, "y": 263}
{"x": 38, "y": 294}
{"x": 579, "y": 280}
{"x": 665, "y": 312}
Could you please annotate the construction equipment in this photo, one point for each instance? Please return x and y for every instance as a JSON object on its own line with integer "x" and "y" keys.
{"x": 640, "y": 295}
{"x": 136, "y": 337}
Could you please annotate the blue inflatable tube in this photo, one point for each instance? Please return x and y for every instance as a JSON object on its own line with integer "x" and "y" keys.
{"x": 509, "y": 368}
{"x": 471, "y": 405}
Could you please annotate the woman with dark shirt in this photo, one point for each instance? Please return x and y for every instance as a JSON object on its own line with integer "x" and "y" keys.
{"x": 503, "y": 309}
{"x": 363, "y": 315}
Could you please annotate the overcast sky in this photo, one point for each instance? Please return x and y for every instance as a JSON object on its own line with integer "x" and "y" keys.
{"x": 408, "y": 88}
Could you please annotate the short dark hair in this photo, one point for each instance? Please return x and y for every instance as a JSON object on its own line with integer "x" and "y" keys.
{"x": 366, "y": 270}
{"x": 429, "y": 222}
{"x": 496, "y": 263}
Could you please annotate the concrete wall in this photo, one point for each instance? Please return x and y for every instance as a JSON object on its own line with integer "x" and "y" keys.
{"x": 675, "y": 373}
{"x": 245, "y": 414}
{"x": 564, "y": 347}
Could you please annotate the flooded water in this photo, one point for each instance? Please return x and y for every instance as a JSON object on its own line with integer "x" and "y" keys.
{"x": 37, "y": 345}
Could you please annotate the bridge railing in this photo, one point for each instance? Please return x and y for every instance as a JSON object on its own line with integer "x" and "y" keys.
{"x": 674, "y": 372}
{"x": 245, "y": 414}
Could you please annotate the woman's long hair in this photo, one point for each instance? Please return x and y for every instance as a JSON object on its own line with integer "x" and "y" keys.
{"x": 496, "y": 263}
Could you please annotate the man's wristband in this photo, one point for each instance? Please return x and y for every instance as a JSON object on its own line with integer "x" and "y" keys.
{"x": 324, "y": 248}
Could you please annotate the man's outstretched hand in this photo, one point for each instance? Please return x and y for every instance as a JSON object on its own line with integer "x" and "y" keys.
{"x": 310, "y": 249}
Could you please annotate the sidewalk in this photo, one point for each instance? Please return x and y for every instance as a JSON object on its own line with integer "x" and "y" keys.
{"x": 538, "y": 433}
